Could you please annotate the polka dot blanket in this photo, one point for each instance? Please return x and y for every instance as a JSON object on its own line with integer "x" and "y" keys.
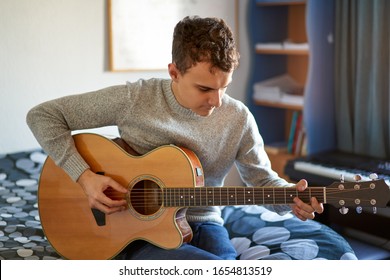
{"x": 255, "y": 232}
{"x": 258, "y": 233}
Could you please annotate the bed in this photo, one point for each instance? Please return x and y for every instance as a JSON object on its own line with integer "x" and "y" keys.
{"x": 255, "y": 232}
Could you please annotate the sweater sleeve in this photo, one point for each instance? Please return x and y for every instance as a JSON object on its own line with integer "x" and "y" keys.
{"x": 52, "y": 123}
{"x": 254, "y": 165}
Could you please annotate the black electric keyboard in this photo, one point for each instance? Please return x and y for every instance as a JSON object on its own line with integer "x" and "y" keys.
{"x": 325, "y": 168}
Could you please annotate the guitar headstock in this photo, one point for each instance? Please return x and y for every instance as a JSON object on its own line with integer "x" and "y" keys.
{"x": 375, "y": 193}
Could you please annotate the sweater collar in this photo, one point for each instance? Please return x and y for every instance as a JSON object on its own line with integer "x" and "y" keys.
{"x": 176, "y": 107}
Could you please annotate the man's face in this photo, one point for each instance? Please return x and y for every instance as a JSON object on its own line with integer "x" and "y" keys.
{"x": 198, "y": 89}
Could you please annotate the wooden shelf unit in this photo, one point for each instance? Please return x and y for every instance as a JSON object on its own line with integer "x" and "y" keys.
{"x": 283, "y": 21}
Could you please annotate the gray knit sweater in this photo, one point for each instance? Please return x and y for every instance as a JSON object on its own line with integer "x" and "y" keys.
{"x": 148, "y": 116}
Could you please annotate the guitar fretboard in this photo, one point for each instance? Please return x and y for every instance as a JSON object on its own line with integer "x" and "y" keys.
{"x": 224, "y": 196}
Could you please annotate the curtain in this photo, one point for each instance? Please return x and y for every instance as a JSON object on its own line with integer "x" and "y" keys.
{"x": 362, "y": 59}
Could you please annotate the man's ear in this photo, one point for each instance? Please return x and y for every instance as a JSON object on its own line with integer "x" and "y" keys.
{"x": 173, "y": 71}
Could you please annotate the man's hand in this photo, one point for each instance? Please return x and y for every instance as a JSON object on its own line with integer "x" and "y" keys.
{"x": 94, "y": 186}
{"x": 303, "y": 210}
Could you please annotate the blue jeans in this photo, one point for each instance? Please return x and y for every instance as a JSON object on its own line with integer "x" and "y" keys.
{"x": 210, "y": 242}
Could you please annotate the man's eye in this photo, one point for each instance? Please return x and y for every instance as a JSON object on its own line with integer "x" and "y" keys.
{"x": 204, "y": 89}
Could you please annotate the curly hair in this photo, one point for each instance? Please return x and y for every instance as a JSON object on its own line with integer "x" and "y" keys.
{"x": 210, "y": 40}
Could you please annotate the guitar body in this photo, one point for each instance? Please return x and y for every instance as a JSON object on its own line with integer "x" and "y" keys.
{"x": 77, "y": 232}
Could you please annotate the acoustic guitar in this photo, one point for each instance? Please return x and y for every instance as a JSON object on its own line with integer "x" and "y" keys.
{"x": 162, "y": 184}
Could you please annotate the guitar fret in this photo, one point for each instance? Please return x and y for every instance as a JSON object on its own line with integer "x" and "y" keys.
{"x": 166, "y": 197}
{"x": 180, "y": 197}
{"x": 324, "y": 195}
{"x": 268, "y": 196}
{"x": 240, "y": 199}
{"x": 192, "y": 195}
{"x": 249, "y": 200}
{"x": 210, "y": 196}
{"x": 273, "y": 193}
{"x": 263, "y": 195}
{"x": 188, "y": 197}
{"x": 191, "y": 198}
{"x": 258, "y": 195}
{"x": 231, "y": 197}
{"x": 227, "y": 197}
{"x": 304, "y": 196}
{"x": 290, "y": 194}
{"x": 224, "y": 196}
{"x": 218, "y": 197}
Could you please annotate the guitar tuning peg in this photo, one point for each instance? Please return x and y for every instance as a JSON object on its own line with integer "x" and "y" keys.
{"x": 374, "y": 210}
{"x": 343, "y": 210}
{"x": 357, "y": 177}
{"x": 359, "y": 209}
{"x": 342, "y": 178}
{"x": 373, "y": 176}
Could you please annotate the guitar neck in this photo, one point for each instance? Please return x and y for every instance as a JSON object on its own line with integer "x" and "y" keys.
{"x": 225, "y": 196}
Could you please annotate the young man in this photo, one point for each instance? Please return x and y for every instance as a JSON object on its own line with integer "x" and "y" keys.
{"x": 190, "y": 110}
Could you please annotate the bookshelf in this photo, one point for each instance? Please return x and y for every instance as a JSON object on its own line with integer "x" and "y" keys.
{"x": 294, "y": 38}
{"x": 278, "y": 49}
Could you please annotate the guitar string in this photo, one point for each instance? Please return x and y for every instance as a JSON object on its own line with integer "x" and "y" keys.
{"x": 142, "y": 197}
{"x": 189, "y": 191}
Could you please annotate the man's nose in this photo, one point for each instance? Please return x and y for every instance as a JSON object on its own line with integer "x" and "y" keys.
{"x": 216, "y": 98}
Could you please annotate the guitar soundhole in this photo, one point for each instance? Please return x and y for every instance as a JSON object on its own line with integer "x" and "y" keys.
{"x": 146, "y": 197}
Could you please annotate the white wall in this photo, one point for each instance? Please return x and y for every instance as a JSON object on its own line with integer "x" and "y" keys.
{"x": 52, "y": 48}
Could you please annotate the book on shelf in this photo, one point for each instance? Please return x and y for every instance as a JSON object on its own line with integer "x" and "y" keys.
{"x": 286, "y": 45}
{"x": 291, "y": 136}
{"x": 280, "y": 89}
{"x": 300, "y": 138}
{"x": 269, "y": 46}
{"x": 297, "y": 137}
